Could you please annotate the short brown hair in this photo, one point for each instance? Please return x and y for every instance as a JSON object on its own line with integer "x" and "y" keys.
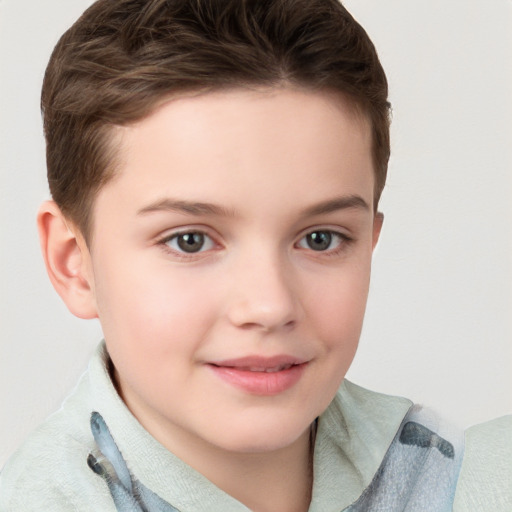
{"x": 122, "y": 57}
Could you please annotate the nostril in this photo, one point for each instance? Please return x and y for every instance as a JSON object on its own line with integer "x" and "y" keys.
{"x": 267, "y": 327}
{"x": 250, "y": 325}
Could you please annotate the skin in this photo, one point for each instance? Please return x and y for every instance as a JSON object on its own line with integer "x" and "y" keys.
{"x": 276, "y": 165}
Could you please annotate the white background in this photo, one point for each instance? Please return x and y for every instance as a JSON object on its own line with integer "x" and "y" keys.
{"x": 439, "y": 322}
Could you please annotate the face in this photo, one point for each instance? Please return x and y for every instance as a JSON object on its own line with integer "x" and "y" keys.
{"x": 230, "y": 264}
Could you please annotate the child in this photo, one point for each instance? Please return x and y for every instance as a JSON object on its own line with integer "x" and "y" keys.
{"x": 216, "y": 169}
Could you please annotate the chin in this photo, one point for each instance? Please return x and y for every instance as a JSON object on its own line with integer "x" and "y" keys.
{"x": 263, "y": 438}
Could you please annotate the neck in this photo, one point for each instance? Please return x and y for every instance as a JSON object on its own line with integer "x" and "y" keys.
{"x": 280, "y": 480}
{"x": 264, "y": 482}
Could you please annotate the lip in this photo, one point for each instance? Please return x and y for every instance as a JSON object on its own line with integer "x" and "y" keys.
{"x": 256, "y": 375}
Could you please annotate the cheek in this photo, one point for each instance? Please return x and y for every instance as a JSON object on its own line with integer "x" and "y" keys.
{"x": 339, "y": 302}
{"x": 153, "y": 311}
{"x": 154, "y": 328}
{"x": 338, "y": 313}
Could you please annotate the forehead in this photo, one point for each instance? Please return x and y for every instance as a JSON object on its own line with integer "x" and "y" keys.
{"x": 257, "y": 104}
{"x": 255, "y": 139}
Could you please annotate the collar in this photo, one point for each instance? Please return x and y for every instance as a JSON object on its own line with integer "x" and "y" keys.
{"x": 354, "y": 434}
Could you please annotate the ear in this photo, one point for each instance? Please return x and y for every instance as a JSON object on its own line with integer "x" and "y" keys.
{"x": 378, "y": 220}
{"x": 67, "y": 261}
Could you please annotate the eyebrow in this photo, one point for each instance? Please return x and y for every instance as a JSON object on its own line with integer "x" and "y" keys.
{"x": 187, "y": 207}
{"x": 200, "y": 208}
{"x": 338, "y": 203}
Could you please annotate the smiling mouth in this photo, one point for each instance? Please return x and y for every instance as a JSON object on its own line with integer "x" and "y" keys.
{"x": 260, "y": 369}
{"x": 264, "y": 377}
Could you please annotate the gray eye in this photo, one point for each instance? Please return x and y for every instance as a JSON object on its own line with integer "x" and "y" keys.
{"x": 319, "y": 240}
{"x": 191, "y": 242}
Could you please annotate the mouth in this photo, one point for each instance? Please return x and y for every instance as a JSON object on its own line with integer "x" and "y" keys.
{"x": 263, "y": 369}
{"x": 260, "y": 376}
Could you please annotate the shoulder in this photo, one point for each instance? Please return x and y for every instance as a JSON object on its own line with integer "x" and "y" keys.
{"x": 486, "y": 474}
{"x": 49, "y": 471}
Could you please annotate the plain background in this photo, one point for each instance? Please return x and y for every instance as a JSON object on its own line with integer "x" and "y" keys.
{"x": 439, "y": 320}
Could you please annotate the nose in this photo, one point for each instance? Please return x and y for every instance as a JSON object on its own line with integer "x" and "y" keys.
{"x": 263, "y": 294}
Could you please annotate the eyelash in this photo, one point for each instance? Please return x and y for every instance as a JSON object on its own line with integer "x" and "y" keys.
{"x": 343, "y": 242}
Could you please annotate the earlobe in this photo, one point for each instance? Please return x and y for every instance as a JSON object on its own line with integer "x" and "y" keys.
{"x": 377, "y": 227}
{"x": 67, "y": 261}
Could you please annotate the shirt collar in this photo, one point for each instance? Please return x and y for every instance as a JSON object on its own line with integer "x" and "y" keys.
{"x": 354, "y": 434}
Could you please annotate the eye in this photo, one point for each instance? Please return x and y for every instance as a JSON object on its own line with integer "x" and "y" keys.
{"x": 189, "y": 242}
{"x": 322, "y": 240}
